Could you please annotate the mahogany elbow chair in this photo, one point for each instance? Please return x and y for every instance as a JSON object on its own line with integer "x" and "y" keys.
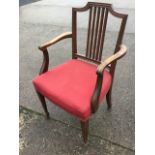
{"x": 78, "y": 86}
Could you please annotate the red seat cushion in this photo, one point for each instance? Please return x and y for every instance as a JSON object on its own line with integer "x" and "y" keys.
{"x": 71, "y": 85}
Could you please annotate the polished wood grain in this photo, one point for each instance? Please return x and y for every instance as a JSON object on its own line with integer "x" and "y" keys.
{"x": 55, "y": 40}
{"x": 109, "y": 60}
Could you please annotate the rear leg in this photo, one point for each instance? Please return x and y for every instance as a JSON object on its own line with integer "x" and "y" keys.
{"x": 108, "y": 98}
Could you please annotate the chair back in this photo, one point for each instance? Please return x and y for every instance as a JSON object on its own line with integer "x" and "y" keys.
{"x": 98, "y": 15}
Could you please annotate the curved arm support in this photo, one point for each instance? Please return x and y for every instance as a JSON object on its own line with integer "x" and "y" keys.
{"x": 55, "y": 40}
{"x": 114, "y": 57}
{"x": 44, "y": 46}
{"x": 96, "y": 94}
{"x": 99, "y": 72}
{"x": 44, "y": 66}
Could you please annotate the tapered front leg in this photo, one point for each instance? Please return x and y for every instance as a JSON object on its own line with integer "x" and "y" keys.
{"x": 85, "y": 127}
{"x": 43, "y": 102}
{"x": 108, "y": 98}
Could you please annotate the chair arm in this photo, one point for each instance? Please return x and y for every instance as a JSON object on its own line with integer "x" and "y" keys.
{"x": 96, "y": 94}
{"x": 114, "y": 57}
{"x": 55, "y": 40}
{"x": 44, "y": 46}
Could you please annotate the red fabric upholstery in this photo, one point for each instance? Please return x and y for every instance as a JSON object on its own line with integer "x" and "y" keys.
{"x": 71, "y": 85}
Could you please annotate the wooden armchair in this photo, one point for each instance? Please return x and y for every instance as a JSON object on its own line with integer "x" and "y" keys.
{"x": 78, "y": 86}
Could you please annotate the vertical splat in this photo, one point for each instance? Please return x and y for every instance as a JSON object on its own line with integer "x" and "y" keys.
{"x": 97, "y": 23}
{"x": 96, "y": 32}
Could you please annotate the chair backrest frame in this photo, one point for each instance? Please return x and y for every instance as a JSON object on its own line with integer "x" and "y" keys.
{"x": 98, "y": 16}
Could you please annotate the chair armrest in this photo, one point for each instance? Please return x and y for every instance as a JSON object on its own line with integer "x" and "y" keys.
{"x": 55, "y": 40}
{"x": 114, "y": 57}
{"x": 44, "y": 46}
{"x": 99, "y": 72}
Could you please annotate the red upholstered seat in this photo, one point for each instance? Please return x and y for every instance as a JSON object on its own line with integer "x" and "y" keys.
{"x": 71, "y": 85}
